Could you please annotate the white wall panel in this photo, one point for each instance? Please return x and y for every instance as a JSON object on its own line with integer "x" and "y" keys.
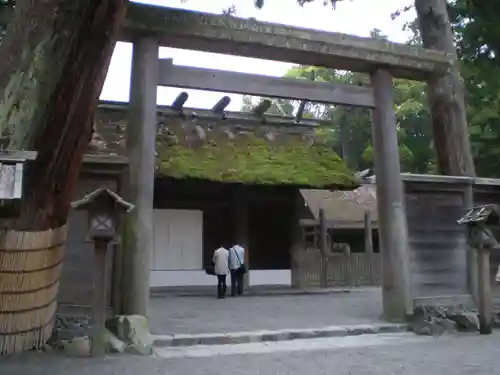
{"x": 178, "y": 236}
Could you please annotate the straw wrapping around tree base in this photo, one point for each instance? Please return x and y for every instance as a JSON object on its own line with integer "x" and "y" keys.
{"x": 30, "y": 266}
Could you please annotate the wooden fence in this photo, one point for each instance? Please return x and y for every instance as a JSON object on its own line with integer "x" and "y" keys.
{"x": 342, "y": 270}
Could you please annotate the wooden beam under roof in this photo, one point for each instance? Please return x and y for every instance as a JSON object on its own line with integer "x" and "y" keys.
{"x": 208, "y": 114}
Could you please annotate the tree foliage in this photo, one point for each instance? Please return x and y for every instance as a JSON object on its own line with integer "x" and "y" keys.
{"x": 477, "y": 35}
{"x": 348, "y": 129}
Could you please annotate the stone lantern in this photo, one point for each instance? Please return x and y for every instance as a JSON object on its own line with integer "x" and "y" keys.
{"x": 104, "y": 208}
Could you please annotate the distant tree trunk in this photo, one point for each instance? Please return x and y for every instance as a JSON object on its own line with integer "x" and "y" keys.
{"x": 451, "y": 135}
{"x": 344, "y": 143}
{"x": 54, "y": 60}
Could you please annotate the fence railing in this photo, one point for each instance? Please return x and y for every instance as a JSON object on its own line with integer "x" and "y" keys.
{"x": 351, "y": 270}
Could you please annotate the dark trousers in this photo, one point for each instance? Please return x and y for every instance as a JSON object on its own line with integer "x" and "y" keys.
{"x": 237, "y": 281}
{"x": 221, "y": 286}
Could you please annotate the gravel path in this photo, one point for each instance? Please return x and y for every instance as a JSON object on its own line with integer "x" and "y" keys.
{"x": 170, "y": 314}
{"x": 458, "y": 355}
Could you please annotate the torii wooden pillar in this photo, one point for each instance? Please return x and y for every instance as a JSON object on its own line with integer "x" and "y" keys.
{"x": 138, "y": 233}
{"x": 392, "y": 225}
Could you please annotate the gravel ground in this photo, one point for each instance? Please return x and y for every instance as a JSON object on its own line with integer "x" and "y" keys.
{"x": 455, "y": 354}
{"x": 170, "y": 314}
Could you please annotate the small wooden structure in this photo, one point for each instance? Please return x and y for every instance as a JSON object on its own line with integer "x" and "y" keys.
{"x": 480, "y": 221}
{"x": 485, "y": 191}
{"x": 104, "y": 208}
{"x": 353, "y": 255}
{"x": 99, "y": 169}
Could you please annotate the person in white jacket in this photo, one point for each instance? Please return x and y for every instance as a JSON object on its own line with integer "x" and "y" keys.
{"x": 221, "y": 269}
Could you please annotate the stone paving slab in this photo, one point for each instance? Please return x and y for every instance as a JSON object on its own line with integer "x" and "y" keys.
{"x": 277, "y": 335}
{"x": 197, "y": 315}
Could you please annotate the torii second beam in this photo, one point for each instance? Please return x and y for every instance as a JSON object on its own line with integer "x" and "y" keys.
{"x": 254, "y": 84}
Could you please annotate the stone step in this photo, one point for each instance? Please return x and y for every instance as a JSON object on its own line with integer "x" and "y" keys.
{"x": 253, "y": 291}
{"x": 177, "y": 340}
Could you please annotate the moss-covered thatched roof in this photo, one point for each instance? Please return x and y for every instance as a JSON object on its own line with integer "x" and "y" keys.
{"x": 226, "y": 151}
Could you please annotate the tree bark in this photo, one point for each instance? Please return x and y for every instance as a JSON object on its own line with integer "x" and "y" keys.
{"x": 55, "y": 56}
{"x": 451, "y": 135}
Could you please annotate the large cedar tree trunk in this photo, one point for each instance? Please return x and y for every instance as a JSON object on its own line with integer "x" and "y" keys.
{"x": 55, "y": 57}
{"x": 451, "y": 135}
{"x": 54, "y": 60}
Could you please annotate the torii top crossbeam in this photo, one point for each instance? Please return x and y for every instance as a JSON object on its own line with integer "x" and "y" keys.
{"x": 247, "y": 37}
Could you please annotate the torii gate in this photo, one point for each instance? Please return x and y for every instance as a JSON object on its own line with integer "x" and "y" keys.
{"x": 148, "y": 27}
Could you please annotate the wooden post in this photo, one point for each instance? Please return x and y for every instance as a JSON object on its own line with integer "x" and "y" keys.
{"x": 484, "y": 288}
{"x": 98, "y": 347}
{"x": 297, "y": 245}
{"x": 392, "y": 225}
{"x": 240, "y": 214}
{"x": 323, "y": 247}
{"x": 368, "y": 232}
{"x": 117, "y": 269}
{"x": 472, "y": 254}
{"x": 369, "y": 242}
{"x": 141, "y": 132}
{"x": 116, "y": 280}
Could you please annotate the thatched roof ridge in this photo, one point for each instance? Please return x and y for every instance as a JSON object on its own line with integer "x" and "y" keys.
{"x": 231, "y": 151}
